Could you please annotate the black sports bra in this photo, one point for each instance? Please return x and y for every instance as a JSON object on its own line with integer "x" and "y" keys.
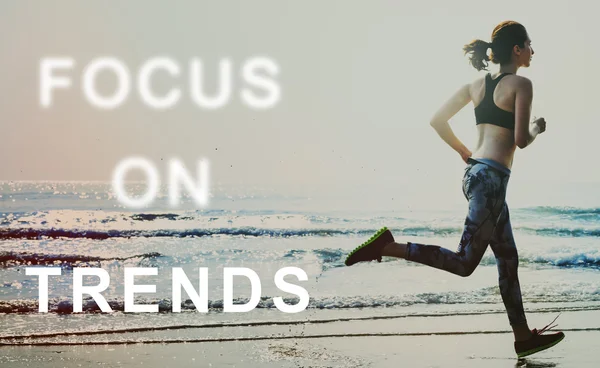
{"x": 487, "y": 111}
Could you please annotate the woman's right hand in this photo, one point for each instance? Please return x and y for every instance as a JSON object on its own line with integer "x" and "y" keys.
{"x": 465, "y": 154}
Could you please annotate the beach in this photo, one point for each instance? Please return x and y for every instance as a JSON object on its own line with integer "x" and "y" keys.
{"x": 183, "y": 186}
{"x": 445, "y": 341}
{"x": 372, "y": 314}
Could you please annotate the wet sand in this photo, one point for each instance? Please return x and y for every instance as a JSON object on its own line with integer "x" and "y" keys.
{"x": 448, "y": 341}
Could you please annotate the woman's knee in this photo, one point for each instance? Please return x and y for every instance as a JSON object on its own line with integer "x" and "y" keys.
{"x": 469, "y": 258}
{"x": 467, "y": 270}
{"x": 466, "y": 266}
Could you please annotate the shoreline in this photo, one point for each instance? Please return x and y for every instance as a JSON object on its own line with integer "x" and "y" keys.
{"x": 460, "y": 340}
{"x": 416, "y": 351}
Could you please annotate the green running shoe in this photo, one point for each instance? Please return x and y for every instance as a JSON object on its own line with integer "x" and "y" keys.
{"x": 538, "y": 342}
{"x": 371, "y": 249}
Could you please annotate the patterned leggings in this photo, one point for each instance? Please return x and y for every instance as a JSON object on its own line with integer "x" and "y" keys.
{"x": 487, "y": 222}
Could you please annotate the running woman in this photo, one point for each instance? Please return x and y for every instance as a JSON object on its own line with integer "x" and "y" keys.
{"x": 502, "y": 112}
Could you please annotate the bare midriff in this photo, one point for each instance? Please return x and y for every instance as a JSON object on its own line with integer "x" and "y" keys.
{"x": 495, "y": 143}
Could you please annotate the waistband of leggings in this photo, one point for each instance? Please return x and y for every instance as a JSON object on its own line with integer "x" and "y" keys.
{"x": 495, "y": 164}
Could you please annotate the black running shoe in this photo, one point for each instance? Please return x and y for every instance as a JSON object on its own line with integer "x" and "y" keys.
{"x": 371, "y": 249}
{"x": 538, "y": 342}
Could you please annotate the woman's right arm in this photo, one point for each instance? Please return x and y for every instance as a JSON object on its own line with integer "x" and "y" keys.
{"x": 526, "y": 132}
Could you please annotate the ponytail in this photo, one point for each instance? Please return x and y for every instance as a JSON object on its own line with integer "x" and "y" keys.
{"x": 504, "y": 37}
{"x": 478, "y": 50}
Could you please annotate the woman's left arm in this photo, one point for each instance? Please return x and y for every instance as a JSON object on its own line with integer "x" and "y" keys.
{"x": 440, "y": 120}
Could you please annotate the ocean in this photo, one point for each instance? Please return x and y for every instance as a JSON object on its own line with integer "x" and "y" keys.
{"x": 81, "y": 224}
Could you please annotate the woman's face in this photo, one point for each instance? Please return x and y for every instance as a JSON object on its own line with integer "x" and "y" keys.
{"x": 525, "y": 53}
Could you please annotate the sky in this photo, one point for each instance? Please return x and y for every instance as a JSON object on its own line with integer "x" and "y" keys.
{"x": 359, "y": 82}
